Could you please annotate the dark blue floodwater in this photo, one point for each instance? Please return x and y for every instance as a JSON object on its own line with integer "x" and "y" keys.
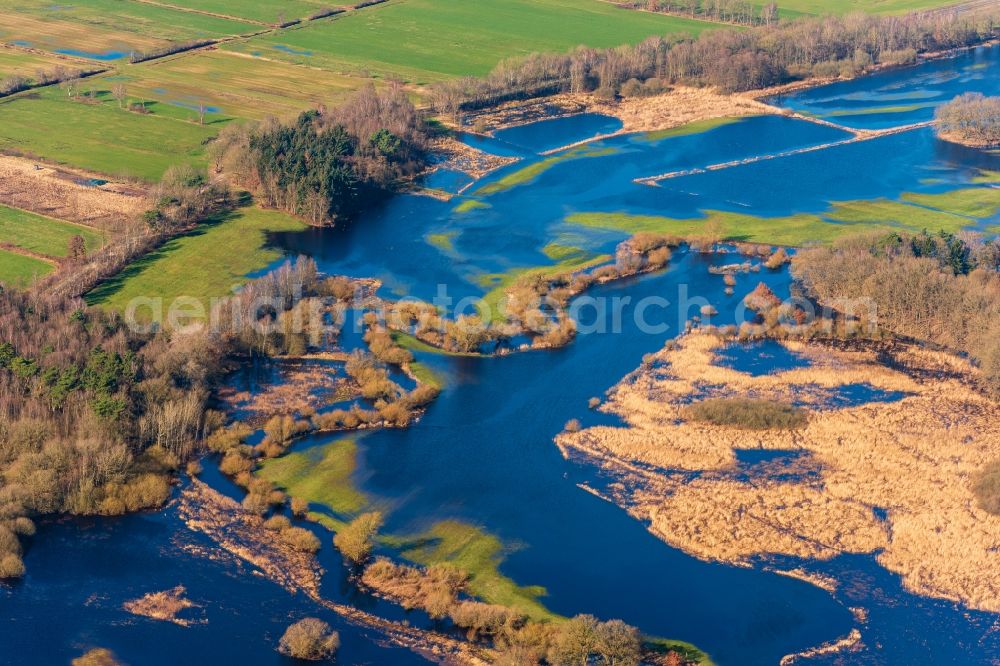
{"x": 900, "y": 96}
{"x": 483, "y": 452}
{"x": 760, "y": 358}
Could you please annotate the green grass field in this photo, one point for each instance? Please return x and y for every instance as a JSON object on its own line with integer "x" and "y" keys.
{"x": 264, "y": 11}
{"x": 427, "y": 40}
{"x": 20, "y": 270}
{"x": 43, "y": 235}
{"x": 26, "y": 63}
{"x": 102, "y": 137}
{"x": 98, "y": 28}
{"x": 234, "y": 84}
{"x": 203, "y": 264}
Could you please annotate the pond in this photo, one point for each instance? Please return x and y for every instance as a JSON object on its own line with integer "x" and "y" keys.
{"x": 483, "y": 453}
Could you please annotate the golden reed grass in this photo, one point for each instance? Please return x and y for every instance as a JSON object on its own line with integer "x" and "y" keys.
{"x": 913, "y": 459}
{"x": 56, "y": 192}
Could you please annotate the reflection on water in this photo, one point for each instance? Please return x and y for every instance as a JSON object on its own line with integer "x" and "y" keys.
{"x": 900, "y": 96}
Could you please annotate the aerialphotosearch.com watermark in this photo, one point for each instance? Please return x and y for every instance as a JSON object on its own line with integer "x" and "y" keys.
{"x": 321, "y": 317}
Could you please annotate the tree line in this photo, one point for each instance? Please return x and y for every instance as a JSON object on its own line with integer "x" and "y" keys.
{"x": 730, "y": 60}
{"x": 329, "y": 164}
{"x": 970, "y": 118}
{"x": 739, "y": 12}
{"x": 940, "y": 288}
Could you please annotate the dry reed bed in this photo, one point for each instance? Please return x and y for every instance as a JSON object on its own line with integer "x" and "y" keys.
{"x": 55, "y": 192}
{"x": 680, "y": 106}
{"x": 301, "y": 388}
{"x": 164, "y": 606}
{"x": 914, "y": 458}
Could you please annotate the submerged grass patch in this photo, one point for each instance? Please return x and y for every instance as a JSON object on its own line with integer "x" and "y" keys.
{"x": 696, "y": 127}
{"x": 479, "y": 554}
{"x": 43, "y": 235}
{"x": 470, "y": 205}
{"x": 950, "y": 211}
{"x": 443, "y": 241}
{"x": 529, "y": 173}
{"x": 206, "y": 263}
{"x": 320, "y": 475}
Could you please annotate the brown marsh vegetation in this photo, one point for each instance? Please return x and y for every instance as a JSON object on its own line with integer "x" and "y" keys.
{"x": 918, "y": 459}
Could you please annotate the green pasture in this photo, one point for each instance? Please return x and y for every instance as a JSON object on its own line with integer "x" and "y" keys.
{"x": 427, "y": 40}
{"x": 203, "y": 264}
{"x": 235, "y": 84}
{"x": 102, "y": 26}
{"x": 100, "y": 136}
{"x": 264, "y": 11}
{"x": 20, "y": 270}
{"x": 27, "y": 63}
{"x": 43, "y": 235}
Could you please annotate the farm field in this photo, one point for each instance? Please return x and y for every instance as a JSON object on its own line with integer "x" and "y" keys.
{"x": 26, "y": 63}
{"x": 234, "y": 85}
{"x": 43, "y": 235}
{"x": 100, "y": 136}
{"x": 203, "y": 264}
{"x": 20, "y": 270}
{"x": 107, "y": 29}
{"x": 265, "y": 11}
{"x": 427, "y": 40}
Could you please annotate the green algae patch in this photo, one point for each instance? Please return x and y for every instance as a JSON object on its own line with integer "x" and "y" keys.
{"x": 480, "y": 555}
{"x": 470, "y": 205}
{"x": 696, "y": 127}
{"x": 444, "y": 241}
{"x": 320, "y": 475}
{"x": 425, "y": 375}
{"x": 980, "y": 202}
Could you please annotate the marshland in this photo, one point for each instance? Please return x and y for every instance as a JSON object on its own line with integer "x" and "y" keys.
{"x": 622, "y": 471}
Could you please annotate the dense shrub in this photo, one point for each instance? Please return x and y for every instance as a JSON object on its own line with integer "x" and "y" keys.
{"x": 354, "y": 540}
{"x": 987, "y": 488}
{"x": 970, "y": 118}
{"x": 328, "y": 164}
{"x": 310, "y": 639}
{"x": 753, "y": 414}
{"x": 939, "y": 288}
